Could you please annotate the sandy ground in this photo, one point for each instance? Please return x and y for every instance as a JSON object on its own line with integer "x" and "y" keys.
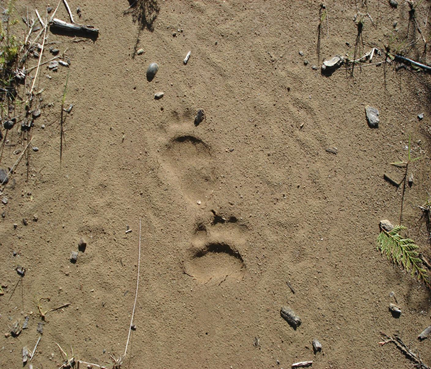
{"x": 231, "y": 209}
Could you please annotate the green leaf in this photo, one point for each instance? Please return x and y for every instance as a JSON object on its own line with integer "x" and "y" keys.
{"x": 402, "y": 251}
{"x": 400, "y": 164}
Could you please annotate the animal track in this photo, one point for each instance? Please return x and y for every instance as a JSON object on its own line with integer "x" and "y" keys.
{"x": 189, "y": 158}
{"x": 214, "y": 255}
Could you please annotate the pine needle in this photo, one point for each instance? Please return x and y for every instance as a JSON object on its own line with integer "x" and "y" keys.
{"x": 403, "y": 252}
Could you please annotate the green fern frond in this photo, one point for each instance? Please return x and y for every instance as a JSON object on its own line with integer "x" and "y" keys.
{"x": 402, "y": 251}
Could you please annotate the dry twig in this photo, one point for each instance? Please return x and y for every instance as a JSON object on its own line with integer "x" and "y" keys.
{"x": 404, "y": 349}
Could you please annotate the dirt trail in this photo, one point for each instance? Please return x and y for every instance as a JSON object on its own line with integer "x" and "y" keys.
{"x": 231, "y": 209}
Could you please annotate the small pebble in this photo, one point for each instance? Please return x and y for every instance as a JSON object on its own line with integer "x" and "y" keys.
{"x": 35, "y": 149}
{"x": 151, "y": 71}
{"x": 306, "y": 62}
{"x": 301, "y": 53}
{"x": 386, "y": 225}
{"x": 159, "y": 95}
{"x": 25, "y": 324}
{"x": 4, "y": 200}
{"x": 140, "y": 52}
{"x": 40, "y": 327}
{"x": 372, "y": 116}
{"x": 25, "y": 355}
{"x": 4, "y": 178}
{"x": 54, "y": 51}
{"x": 186, "y": 59}
{"x": 9, "y": 124}
{"x": 317, "y": 346}
{"x": 395, "y": 310}
{"x": 82, "y": 245}
{"x": 25, "y": 222}
{"x": 49, "y": 9}
{"x": 421, "y": 116}
{"x": 36, "y": 113}
{"x": 425, "y": 333}
{"x": 332, "y": 150}
{"x": 53, "y": 64}
{"x": 393, "y": 3}
{"x": 20, "y": 270}
{"x": 74, "y": 257}
{"x": 333, "y": 63}
{"x": 289, "y": 316}
{"x": 314, "y": 67}
{"x": 200, "y": 116}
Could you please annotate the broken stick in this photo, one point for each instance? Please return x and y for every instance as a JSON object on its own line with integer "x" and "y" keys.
{"x": 62, "y": 26}
{"x": 404, "y": 349}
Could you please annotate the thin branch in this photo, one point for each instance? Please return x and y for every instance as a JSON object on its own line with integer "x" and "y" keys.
{"x": 17, "y": 161}
{"x": 420, "y": 65}
{"x": 68, "y": 10}
{"x": 55, "y": 11}
{"x": 404, "y": 349}
{"x": 136, "y": 293}
{"x": 40, "y": 19}
{"x": 45, "y": 62}
{"x": 40, "y": 60}
{"x": 35, "y": 347}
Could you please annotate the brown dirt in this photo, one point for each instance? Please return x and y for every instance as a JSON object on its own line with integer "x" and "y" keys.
{"x": 231, "y": 209}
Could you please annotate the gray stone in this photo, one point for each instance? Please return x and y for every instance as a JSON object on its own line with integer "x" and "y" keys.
{"x": 4, "y": 178}
{"x": 333, "y": 63}
{"x": 425, "y": 333}
{"x": 200, "y": 116}
{"x": 74, "y": 257}
{"x": 159, "y": 95}
{"x": 393, "y": 3}
{"x": 317, "y": 346}
{"x": 395, "y": 310}
{"x": 421, "y": 116}
{"x": 386, "y": 225}
{"x": 372, "y": 116}
{"x": 289, "y": 316}
{"x": 151, "y": 71}
{"x": 53, "y": 65}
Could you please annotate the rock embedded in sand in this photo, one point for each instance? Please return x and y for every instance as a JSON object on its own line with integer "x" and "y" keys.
{"x": 333, "y": 63}
{"x": 53, "y": 65}
{"x": 317, "y": 346}
{"x": 289, "y": 316}
{"x": 393, "y": 3}
{"x": 425, "y": 333}
{"x": 73, "y": 257}
{"x": 200, "y": 116}
{"x": 159, "y": 95}
{"x": 386, "y": 225}
{"x": 151, "y": 71}
{"x": 4, "y": 178}
{"x": 372, "y": 116}
{"x": 395, "y": 310}
{"x": 82, "y": 245}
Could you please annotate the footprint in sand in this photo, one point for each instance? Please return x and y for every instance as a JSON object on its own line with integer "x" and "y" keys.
{"x": 189, "y": 159}
{"x": 215, "y": 254}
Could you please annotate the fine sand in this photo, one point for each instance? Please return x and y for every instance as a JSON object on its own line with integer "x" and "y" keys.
{"x": 282, "y": 183}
